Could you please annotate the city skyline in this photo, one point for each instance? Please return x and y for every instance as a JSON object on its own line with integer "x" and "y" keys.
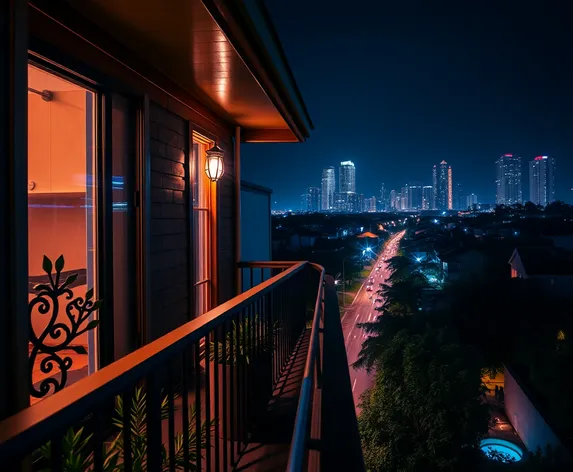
{"x": 445, "y": 193}
{"x": 542, "y": 180}
{"x": 482, "y": 93}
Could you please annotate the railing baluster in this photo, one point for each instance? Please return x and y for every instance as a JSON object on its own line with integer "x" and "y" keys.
{"x": 126, "y": 401}
{"x": 56, "y": 454}
{"x": 185, "y": 408}
{"x": 232, "y": 391}
{"x": 239, "y": 363}
{"x": 227, "y": 428}
{"x": 283, "y": 328}
{"x": 198, "y": 439}
{"x": 97, "y": 421}
{"x": 170, "y": 419}
{"x": 154, "y": 444}
{"x": 216, "y": 409}
{"x": 252, "y": 279}
{"x": 274, "y": 333}
{"x": 246, "y": 365}
{"x": 208, "y": 401}
{"x": 251, "y": 311}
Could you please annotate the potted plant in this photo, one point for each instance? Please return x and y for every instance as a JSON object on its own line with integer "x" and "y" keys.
{"x": 77, "y": 456}
{"x": 258, "y": 367}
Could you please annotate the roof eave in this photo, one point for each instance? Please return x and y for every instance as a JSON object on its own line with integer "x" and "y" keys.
{"x": 243, "y": 32}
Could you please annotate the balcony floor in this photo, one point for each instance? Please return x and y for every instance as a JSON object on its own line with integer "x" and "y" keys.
{"x": 269, "y": 444}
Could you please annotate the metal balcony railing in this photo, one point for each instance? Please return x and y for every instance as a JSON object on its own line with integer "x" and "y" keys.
{"x": 189, "y": 400}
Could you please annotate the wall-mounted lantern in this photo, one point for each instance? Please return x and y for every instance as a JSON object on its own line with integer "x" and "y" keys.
{"x": 214, "y": 164}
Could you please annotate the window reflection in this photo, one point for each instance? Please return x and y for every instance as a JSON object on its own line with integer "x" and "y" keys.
{"x": 61, "y": 213}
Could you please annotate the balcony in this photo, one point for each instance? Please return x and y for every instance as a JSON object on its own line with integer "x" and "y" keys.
{"x": 259, "y": 383}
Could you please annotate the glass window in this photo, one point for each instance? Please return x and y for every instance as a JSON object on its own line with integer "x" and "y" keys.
{"x": 202, "y": 234}
{"x": 61, "y": 222}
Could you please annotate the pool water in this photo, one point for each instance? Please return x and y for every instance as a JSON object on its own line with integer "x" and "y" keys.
{"x": 509, "y": 450}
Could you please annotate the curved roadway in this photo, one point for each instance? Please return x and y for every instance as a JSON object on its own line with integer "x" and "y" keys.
{"x": 362, "y": 310}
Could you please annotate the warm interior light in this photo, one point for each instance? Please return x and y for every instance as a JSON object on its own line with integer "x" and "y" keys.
{"x": 214, "y": 164}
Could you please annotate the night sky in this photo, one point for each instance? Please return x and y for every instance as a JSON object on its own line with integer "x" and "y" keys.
{"x": 396, "y": 86}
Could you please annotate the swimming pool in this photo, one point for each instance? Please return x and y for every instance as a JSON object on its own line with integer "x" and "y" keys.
{"x": 508, "y": 449}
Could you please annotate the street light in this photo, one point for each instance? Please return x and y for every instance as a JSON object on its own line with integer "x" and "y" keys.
{"x": 344, "y": 281}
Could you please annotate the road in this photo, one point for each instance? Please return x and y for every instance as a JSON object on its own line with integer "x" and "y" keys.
{"x": 362, "y": 310}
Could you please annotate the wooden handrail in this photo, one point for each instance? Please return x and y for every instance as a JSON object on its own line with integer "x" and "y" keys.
{"x": 36, "y": 424}
{"x": 265, "y": 264}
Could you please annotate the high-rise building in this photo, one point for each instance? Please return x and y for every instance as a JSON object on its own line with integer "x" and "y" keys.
{"x": 508, "y": 180}
{"x": 450, "y": 189}
{"x": 415, "y": 196}
{"x": 327, "y": 189}
{"x": 347, "y": 177}
{"x": 404, "y": 200}
{"x": 442, "y": 180}
{"x": 459, "y": 197}
{"x": 312, "y": 201}
{"x": 348, "y": 202}
{"x": 393, "y": 199}
{"x": 427, "y": 197}
{"x": 542, "y": 180}
{"x": 471, "y": 200}
{"x": 383, "y": 202}
{"x": 370, "y": 205}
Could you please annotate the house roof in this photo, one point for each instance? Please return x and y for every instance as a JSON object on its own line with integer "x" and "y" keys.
{"x": 540, "y": 260}
{"x": 367, "y": 234}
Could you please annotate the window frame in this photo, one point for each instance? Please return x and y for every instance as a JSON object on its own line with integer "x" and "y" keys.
{"x": 104, "y": 88}
{"x": 209, "y": 208}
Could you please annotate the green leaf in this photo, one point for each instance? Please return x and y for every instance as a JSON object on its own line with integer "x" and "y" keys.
{"x": 39, "y": 287}
{"x": 47, "y": 265}
{"x": 60, "y": 263}
{"x": 70, "y": 280}
{"x": 89, "y": 294}
{"x": 79, "y": 349}
{"x": 92, "y": 324}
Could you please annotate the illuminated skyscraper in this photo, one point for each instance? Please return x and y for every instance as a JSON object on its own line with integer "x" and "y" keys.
{"x": 459, "y": 197}
{"x": 450, "y": 189}
{"x": 327, "y": 189}
{"x": 393, "y": 200}
{"x": 415, "y": 196}
{"x": 542, "y": 180}
{"x": 312, "y": 199}
{"x": 427, "y": 197}
{"x": 442, "y": 180}
{"x": 508, "y": 180}
{"x": 383, "y": 202}
{"x": 471, "y": 200}
{"x": 347, "y": 177}
{"x": 370, "y": 205}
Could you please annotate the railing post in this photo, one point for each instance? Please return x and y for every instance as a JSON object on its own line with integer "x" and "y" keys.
{"x": 153, "y": 394}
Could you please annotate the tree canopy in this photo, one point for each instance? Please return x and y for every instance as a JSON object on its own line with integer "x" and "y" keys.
{"x": 425, "y": 411}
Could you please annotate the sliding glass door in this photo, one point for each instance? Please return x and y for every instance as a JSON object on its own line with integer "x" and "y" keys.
{"x": 81, "y": 238}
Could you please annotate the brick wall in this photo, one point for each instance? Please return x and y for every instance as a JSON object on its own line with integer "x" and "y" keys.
{"x": 170, "y": 220}
{"x": 169, "y": 223}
